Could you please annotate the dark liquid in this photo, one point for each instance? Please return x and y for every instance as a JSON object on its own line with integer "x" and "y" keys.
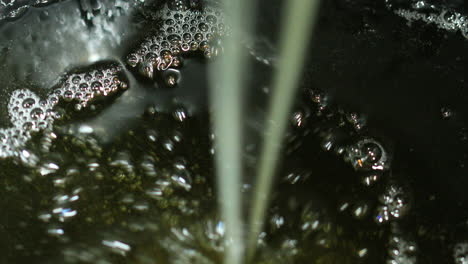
{"x": 373, "y": 168}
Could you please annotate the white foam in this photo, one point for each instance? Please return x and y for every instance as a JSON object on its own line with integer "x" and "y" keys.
{"x": 29, "y": 113}
{"x": 182, "y": 30}
{"x": 442, "y": 18}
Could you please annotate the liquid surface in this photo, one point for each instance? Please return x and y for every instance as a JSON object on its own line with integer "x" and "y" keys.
{"x": 373, "y": 168}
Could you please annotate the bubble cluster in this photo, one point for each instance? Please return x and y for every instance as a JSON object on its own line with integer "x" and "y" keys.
{"x": 298, "y": 222}
{"x": 345, "y": 134}
{"x": 13, "y": 9}
{"x": 84, "y": 87}
{"x": 401, "y": 250}
{"x": 439, "y": 16}
{"x": 183, "y": 30}
{"x": 129, "y": 202}
{"x": 29, "y": 113}
{"x": 312, "y": 220}
{"x": 460, "y": 253}
{"x": 356, "y": 120}
{"x": 195, "y": 240}
{"x": 395, "y": 203}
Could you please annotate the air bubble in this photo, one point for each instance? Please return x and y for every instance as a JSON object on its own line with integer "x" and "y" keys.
{"x": 3, "y": 137}
{"x": 446, "y": 112}
{"x": 96, "y": 86}
{"x": 68, "y": 96}
{"x": 174, "y": 38}
{"x": 371, "y": 178}
{"x": 187, "y": 36}
{"x": 99, "y": 75}
{"x": 183, "y": 180}
{"x": 83, "y": 86}
{"x": 170, "y": 22}
{"x": 28, "y": 102}
{"x": 171, "y": 30}
{"x": 132, "y": 60}
{"x": 367, "y": 154}
{"x": 299, "y": 118}
{"x": 37, "y": 114}
{"x": 180, "y": 114}
{"x": 178, "y": 16}
{"x": 147, "y": 70}
{"x": 88, "y": 77}
{"x": 53, "y": 99}
{"x": 360, "y": 211}
{"x": 401, "y": 250}
{"x": 211, "y": 19}
{"x": 395, "y": 204}
{"x": 28, "y": 126}
{"x": 171, "y": 77}
{"x": 76, "y": 79}
{"x": 203, "y": 27}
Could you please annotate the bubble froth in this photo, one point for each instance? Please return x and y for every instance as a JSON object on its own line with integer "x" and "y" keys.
{"x": 29, "y": 113}
{"x": 183, "y": 30}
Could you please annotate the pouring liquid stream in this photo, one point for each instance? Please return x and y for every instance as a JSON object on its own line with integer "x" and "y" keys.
{"x": 226, "y": 94}
{"x": 296, "y": 30}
